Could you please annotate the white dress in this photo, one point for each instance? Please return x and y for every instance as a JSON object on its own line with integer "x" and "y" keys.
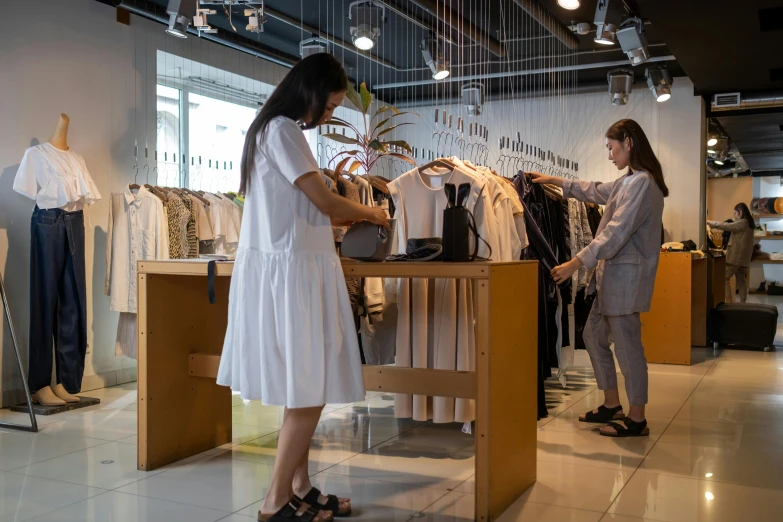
{"x": 291, "y": 339}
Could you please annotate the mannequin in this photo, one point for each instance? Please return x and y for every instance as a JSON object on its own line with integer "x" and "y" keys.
{"x": 58, "y": 180}
{"x": 60, "y": 135}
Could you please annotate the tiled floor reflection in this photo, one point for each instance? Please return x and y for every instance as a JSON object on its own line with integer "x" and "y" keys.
{"x": 714, "y": 455}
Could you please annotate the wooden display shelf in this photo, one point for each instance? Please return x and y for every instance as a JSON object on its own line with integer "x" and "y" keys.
{"x": 768, "y": 236}
{"x": 677, "y": 319}
{"x": 182, "y": 411}
{"x": 767, "y": 216}
{"x": 767, "y": 262}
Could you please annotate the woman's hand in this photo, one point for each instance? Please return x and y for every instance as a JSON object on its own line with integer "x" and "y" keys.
{"x": 712, "y": 223}
{"x": 566, "y": 270}
{"x": 377, "y": 216}
{"x": 542, "y": 179}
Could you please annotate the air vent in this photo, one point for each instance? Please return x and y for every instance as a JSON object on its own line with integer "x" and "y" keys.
{"x": 771, "y": 19}
{"x": 729, "y": 99}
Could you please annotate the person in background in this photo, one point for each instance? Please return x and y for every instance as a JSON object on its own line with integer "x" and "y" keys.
{"x": 291, "y": 339}
{"x": 625, "y": 254}
{"x": 740, "y": 249}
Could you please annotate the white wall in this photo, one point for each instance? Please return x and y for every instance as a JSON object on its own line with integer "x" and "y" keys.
{"x": 73, "y": 57}
{"x": 574, "y": 127}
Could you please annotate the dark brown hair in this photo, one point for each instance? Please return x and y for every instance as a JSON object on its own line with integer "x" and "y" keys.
{"x": 642, "y": 155}
{"x": 744, "y": 211}
{"x": 304, "y": 90}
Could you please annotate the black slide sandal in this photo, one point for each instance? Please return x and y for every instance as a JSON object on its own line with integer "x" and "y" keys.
{"x": 631, "y": 429}
{"x": 332, "y": 504}
{"x": 604, "y": 415}
{"x": 288, "y": 513}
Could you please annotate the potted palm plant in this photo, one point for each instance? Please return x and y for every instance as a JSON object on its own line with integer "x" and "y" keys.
{"x": 369, "y": 143}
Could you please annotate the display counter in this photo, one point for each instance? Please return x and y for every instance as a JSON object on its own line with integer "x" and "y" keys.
{"x": 677, "y": 319}
{"x": 182, "y": 411}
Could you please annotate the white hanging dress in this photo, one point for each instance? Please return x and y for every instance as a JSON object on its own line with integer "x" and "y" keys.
{"x": 435, "y": 323}
{"x": 291, "y": 339}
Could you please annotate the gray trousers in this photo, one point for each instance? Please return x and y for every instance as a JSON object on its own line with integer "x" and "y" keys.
{"x": 742, "y": 285}
{"x": 627, "y": 333}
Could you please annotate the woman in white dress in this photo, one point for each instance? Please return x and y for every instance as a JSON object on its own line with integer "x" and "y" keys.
{"x": 291, "y": 339}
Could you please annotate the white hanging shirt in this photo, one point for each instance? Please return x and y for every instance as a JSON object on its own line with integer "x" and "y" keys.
{"x": 138, "y": 230}
{"x": 55, "y": 178}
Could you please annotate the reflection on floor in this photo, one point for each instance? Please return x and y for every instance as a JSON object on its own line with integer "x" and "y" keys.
{"x": 714, "y": 454}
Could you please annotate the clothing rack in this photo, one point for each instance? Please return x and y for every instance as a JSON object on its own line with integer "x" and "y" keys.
{"x": 33, "y": 427}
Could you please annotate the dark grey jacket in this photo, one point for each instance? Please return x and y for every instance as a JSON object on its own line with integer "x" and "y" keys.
{"x": 627, "y": 244}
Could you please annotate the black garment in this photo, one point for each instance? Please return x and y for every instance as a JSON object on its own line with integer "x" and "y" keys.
{"x": 594, "y": 218}
{"x": 58, "y": 298}
{"x": 582, "y": 307}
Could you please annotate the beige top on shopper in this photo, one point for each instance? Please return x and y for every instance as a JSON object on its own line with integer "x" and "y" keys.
{"x": 740, "y": 248}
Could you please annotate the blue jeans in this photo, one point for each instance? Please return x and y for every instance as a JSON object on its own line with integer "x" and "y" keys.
{"x": 58, "y": 298}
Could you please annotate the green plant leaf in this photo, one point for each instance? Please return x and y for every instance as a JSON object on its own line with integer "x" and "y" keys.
{"x": 391, "y": 129}
{"x": 377, "y": 145}
{"x": 399, "y": 143}
{"x": 383, "y": 109}
{"x": 353, "y": 96}
{"x": 366, "y": 98}
{"x": 355, "y": 166}
{"x": 337, "y": 122}
{"x": 348, "y": 152}
{"x": 403, "y": 157}
{"x": 340, "y": 166}
{"x": 384, "y": 122}
{"x": 343, "y": 139}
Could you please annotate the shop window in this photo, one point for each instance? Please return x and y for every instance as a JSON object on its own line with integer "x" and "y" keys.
{"x": 216, "y": 137}
{"x": 168, "y": 144}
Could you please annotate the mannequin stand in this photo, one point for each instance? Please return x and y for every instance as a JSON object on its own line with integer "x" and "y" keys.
{"x": 29, "y": 403}
{"x": 40, "y": 409}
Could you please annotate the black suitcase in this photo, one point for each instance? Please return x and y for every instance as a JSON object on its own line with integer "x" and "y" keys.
{"x": 744, "y": 324}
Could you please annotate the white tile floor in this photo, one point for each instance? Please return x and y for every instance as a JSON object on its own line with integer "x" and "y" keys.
{"x": 714, "y": 454}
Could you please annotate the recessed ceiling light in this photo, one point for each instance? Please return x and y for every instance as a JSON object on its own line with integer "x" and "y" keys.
{"x": 708, "y": 475}
{"x": 709, "y": 496}
{"x": 712, "y": 142}
{"x": 719, "y": 162}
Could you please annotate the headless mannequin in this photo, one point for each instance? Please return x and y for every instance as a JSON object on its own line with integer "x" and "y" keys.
{"x": 57, "y": 396}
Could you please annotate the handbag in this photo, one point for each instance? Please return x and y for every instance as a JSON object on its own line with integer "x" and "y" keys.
{"x": 368, "y": 242}
{"x": 458, "y": 224}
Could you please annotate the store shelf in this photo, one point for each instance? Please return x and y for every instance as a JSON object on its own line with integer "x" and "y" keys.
{"x": 768, "y": 216}
{"x": 768, "y": 236}
{"x": 767, "y": 262}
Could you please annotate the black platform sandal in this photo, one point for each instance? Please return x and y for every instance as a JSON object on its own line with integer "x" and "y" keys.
{"x": 631, "y": 429}
{"x": 332, "y": 504}
{"x": 289, "y": 513}
{"x": 604, "y": 415}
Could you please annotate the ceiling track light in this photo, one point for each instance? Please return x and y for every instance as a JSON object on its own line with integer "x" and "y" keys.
{"x": 313, "y": 45}
{"x": 568, "y": 4}
{"x": 473, "y": 98}
{"x": 660, "y": 83}
{"x": 606, "y": 20}
{"x": 712, "y": 141}
{"x": 620, "y": 85}
{"x": 434, "y": 59}
{"x": 633, "y": 40}
{"x": 366, "y": 19}
{"x": 180, "y": 13}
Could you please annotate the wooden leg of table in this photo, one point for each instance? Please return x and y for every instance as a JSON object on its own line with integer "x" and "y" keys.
{"x": 179, "y": 415}
{"x": 507, "y": 358}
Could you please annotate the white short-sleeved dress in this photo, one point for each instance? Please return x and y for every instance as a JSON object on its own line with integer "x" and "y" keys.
{"x": 291, "y": 339}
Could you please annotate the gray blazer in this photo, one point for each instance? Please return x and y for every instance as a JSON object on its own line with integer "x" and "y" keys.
{"x": 740, "y": 249}
{"x": 627, "y": 244}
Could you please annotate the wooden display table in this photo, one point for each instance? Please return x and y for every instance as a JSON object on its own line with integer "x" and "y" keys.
{"x": 181, "y": 339}
{"x": 716, "y": 279}
{"x": 677, "y": 319}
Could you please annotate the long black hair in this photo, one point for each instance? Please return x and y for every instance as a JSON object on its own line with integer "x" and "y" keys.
{"x": 642, "y": 155}
{"x": 304, "y": 90}
{"x": 745, "y": 214}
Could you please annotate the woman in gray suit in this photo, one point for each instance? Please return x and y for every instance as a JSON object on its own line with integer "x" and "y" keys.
{"x": 624, "y": 255}
{"x": 740, "y": 249}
